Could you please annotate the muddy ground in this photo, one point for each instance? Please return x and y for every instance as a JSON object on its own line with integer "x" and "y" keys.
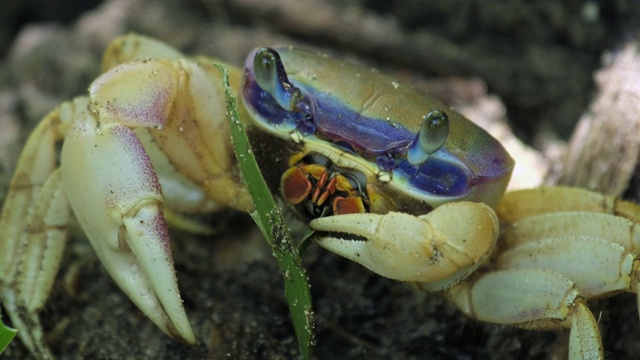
{"x": 538, "y": 58}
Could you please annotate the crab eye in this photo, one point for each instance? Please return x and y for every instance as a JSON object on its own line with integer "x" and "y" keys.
{"x": 272, "y": 78}
{"x": 433, "y": 133}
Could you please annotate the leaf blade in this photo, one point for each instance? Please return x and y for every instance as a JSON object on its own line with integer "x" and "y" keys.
{"x": 269, "y": 219}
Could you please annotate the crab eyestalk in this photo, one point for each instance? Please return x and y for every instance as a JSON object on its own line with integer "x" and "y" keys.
{"x": 272, "y": 78}
{"x": 433, "y": 133}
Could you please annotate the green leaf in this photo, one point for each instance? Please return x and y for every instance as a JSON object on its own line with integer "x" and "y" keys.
{"x": 6, "y": 335}
{"x": 269, "y": 219}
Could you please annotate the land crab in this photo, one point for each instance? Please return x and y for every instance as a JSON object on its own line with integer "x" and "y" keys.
{"x": 385, "y": 175}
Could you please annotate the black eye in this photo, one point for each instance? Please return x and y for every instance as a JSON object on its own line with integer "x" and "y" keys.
{"x": 264, "y": 69}
{"x": 433, "y": 133}
{"x": 271, "y": 76}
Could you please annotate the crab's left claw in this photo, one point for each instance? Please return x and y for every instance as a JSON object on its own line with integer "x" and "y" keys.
{"x": 438, "y": 249}
{"x": 116, "y": 196}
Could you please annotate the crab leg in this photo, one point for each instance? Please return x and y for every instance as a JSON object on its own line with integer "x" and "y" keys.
{"x": 595, "y": 249}
{"x": 619, "y": 230}
{"x": 598, "y": 267}
{"x": 136, "y": 47}
{"x": 140, "y": 115}
{"x": 599, "y": 252}
{"x": 33, "y": 228}
{"x": 516, "y": 205}
{"x": 429, "y": 249}
{"x": 534, "y": 299}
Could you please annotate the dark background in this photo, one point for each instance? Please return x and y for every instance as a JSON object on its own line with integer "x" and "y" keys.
{"x": 537, "y": 56}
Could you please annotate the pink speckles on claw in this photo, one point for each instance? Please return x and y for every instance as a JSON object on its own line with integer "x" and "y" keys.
{"x": 135, "y": 94}
{"x": 112, "y": 186}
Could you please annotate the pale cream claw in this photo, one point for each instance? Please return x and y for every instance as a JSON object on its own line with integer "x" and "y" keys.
{"x": 430, "y": 249}
{"x": 118, "y": 202}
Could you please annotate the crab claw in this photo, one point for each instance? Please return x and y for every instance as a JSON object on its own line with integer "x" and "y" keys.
{"x": 438, "y": 249}
{"x": 116, "y": 196}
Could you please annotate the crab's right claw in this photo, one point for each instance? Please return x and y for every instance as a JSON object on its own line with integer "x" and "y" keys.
{"x": 438, "y": 249}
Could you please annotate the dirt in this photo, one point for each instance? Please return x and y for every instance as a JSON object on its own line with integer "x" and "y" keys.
{"x": 538, "y": 57}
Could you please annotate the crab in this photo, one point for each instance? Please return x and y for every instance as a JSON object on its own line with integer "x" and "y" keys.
{"x": 385, "y": 175}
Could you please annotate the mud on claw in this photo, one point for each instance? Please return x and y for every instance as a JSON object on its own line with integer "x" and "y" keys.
{"x": 386, "y": 176}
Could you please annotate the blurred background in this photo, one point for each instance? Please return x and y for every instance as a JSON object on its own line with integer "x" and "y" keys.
{"x": 527, "y": 66}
